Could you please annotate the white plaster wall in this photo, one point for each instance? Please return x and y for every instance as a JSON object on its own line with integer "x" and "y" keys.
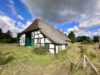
{"x": 40, "y": 35}
{"x": 35, "y": 32}
{"x": 42, "y": 45}
{"x": 51, "y": 48}
{"x": 35, "y": 40}
{"x": 32, "y": 33}
{"x": 63, "y": 47}
{"x": 51, "y": 51}
{"x": 47, "y": 40}
{"x": 42, "y": 40}
{"x": 60, "y": 47}
{"x": 57, "y": 48}
{"x": 22, "y": 40}
{"x": 51, "y": 45}
{"x": 36, "y": 36}
{"x": 38, "y": 31}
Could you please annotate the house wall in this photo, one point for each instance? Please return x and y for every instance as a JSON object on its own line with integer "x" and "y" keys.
{"x": 51, "y": 48}
{"x": 22, "y": 40}
{"x": 40, "y": 40}
{"x": 60, "y": 47}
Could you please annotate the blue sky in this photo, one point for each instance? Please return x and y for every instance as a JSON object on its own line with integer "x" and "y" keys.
{"x": 14, "y": 10}
{"x": 16, "y": 15}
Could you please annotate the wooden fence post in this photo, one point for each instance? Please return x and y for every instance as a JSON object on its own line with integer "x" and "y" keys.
{"x": 84, "y": 62}
{"x": 94, "y": 68}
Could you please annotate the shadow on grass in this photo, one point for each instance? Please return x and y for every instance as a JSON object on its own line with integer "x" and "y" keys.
{"x": 5, "y": 58}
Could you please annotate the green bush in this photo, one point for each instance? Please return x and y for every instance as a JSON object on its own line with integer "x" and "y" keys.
{"x": 40, "y": 50}
{"x": 87, "y": 42}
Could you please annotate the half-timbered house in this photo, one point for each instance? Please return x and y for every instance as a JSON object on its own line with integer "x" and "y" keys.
{"x": 41, "y": 34}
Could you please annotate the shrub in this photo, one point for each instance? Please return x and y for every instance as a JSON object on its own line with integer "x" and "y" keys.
{"x": 87, "y": 42}
{"x": 96, "y": 38}
{"x": 40, "y": 50}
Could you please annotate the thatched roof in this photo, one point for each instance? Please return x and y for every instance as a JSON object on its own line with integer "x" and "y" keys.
{"x": 53, "y": 34}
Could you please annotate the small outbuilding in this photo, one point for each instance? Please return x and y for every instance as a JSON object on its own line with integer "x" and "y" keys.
{"x": 41, "y": 34}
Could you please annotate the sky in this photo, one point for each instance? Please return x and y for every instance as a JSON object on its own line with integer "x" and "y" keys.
{"x": 80, "y": 16}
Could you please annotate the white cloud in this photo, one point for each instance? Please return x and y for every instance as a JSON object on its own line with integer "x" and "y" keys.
{"x": 7, "y": 23}
{"x": 85, "y": 25}
{"x": 13, "y": 9}
{"x": 88, "y": 33}
{"x": 11, "y": 1}
{"x": 20, "y": 17}
{"x": 23, "y": 26}
{"x": 11, "y": 5}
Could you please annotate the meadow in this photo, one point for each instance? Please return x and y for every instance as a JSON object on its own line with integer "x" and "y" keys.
{"x": 26, "y": 62}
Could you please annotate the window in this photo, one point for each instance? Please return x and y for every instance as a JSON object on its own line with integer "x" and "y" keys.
{"x": 47, "y": 45}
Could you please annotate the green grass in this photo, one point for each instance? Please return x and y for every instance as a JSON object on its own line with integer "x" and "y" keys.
{"x": 30, "y": 63}
{"x": 26, "y": 62}
{"x": 27, "y": 54}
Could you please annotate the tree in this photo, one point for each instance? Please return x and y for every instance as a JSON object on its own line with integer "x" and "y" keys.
{"x": 0, "y": 32}
{"x": 18, "y": 37}
{"x": 79, "y": 39}
{"x": 96, "y": 38}
{"x": 6, "y": 37}
{"x": 9, "y": 33}
{"x": 84, "y": 39}
{"x": 72, "y": 37}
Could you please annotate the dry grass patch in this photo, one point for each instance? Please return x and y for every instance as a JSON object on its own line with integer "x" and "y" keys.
{"x": 27, "y": 62}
